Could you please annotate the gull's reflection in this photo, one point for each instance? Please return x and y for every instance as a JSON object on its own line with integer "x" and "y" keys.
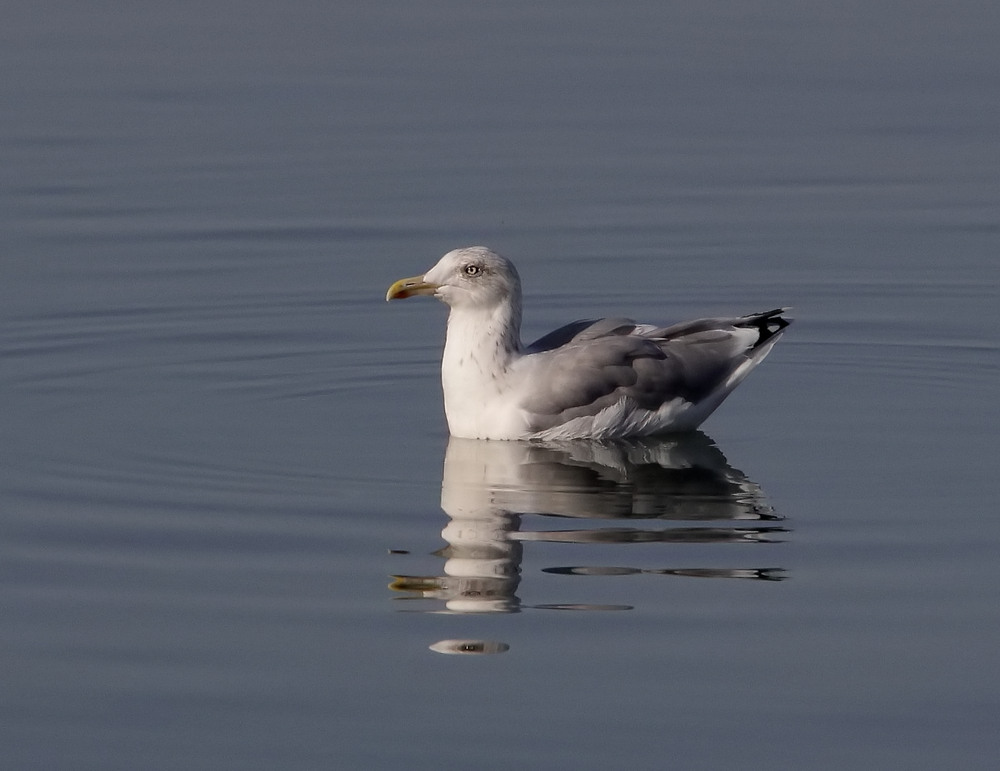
{"x": 616, "y": 494}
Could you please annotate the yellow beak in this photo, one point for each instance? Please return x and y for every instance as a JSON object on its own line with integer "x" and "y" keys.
{"x": 408, "y": 287}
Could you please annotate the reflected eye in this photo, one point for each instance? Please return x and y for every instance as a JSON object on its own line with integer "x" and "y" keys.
{"x": 472, "y": 270}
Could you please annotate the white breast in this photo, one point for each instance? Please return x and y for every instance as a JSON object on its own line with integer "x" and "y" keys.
{"x": 479, "y": 384}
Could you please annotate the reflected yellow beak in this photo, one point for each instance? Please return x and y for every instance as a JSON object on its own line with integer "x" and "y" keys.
{"x": 408, "y": 287}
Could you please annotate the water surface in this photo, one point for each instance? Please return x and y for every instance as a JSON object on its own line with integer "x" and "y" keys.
{"x": 234, "y": 531}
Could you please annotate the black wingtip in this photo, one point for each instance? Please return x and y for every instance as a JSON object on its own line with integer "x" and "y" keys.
{"x": 768, "y": 324}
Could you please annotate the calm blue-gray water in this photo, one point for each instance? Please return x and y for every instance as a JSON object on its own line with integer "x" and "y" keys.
{"x": 233, "y": 531}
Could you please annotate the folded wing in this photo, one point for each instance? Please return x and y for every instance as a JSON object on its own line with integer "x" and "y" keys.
{"x": 587, "y": 366}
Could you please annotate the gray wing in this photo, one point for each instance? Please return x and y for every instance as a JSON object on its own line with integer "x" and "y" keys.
{"x": 587, "y": 329}
{"x": 584, "y": 367}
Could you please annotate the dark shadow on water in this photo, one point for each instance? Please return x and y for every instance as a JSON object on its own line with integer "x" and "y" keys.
{"x": 678, "y": 490}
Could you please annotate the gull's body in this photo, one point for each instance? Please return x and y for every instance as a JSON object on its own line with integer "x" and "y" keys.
{"x": 599, "y": 379}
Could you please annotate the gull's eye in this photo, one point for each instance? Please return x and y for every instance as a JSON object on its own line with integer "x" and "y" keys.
{"x": 472, "y": 270}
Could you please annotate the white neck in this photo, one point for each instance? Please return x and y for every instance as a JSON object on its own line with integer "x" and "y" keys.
{"x": 480, "y": 347}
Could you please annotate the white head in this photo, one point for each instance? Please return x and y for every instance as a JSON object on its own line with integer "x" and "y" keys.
{"x": 473, "y": 277}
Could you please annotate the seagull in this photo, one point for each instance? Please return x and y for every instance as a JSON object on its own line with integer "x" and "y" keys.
{"x": 604, "y": 379}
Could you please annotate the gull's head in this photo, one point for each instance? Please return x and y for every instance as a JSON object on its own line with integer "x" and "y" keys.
{"x": 473, "y": 277}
